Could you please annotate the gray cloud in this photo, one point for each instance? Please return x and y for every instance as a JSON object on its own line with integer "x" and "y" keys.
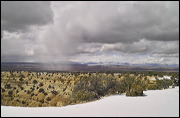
{"x": 145, "y": 47}
{"x": 112, "y": 22}
{"x": 142, "y": 47}
{"x": 19, "y": 15}
{"x": 90, "y": 29}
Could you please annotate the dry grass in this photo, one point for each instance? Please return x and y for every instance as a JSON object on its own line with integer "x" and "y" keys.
{"x": 24, "y": 91}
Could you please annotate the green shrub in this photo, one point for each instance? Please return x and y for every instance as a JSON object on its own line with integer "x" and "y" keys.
{"x": 136, "y": 90}
{"x": 41, "y": 84}
{"x": 84, "y": 95}
{"x": 100, "y": 84}
{"x": 28, "y": 92}
{"x": 21, "y": 88}
{"x": 41, "y": 101}
{"x": 34, "y": 81}
{"x": 54, "y": 92}
{"x": 45, "y": 93}
{"x": 7, "y": 86}
{"x": 48, "y": 99}
{"x": 26, "y": 83}
{"x": 10, "y": 92}
{"x": 20, "y": 79}
{"x": 3, "y": 90}
{"x": 41, "y": 90}
{"x": 23, "y": 102}
{"x": 152, "y": 86}
{"x": 32, "y": 94}
{"x": 49, "y": 86}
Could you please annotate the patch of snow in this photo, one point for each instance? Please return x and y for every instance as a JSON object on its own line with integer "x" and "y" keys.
{"x": 164, "y": 77}
{"x": 161, "y": 78}
{"x": 156, "y": 103}
{"x": 167, "y": 77}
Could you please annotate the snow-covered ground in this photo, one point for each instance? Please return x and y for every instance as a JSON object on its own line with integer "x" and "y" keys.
{"x": 156, "y": 103}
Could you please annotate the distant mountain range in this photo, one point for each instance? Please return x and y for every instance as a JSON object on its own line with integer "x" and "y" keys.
{"x": 90, "y": 66}
{"x": 101, "y": 63}
{"x": 140, "y": 65}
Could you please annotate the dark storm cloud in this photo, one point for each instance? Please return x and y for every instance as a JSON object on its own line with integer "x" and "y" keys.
{"x": 19, "y": 15}
{"x": 112, "y": 22}
{"x": 121, "y": 26}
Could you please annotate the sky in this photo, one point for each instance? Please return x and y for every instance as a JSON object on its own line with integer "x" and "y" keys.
{"x": 90, "y": 31}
